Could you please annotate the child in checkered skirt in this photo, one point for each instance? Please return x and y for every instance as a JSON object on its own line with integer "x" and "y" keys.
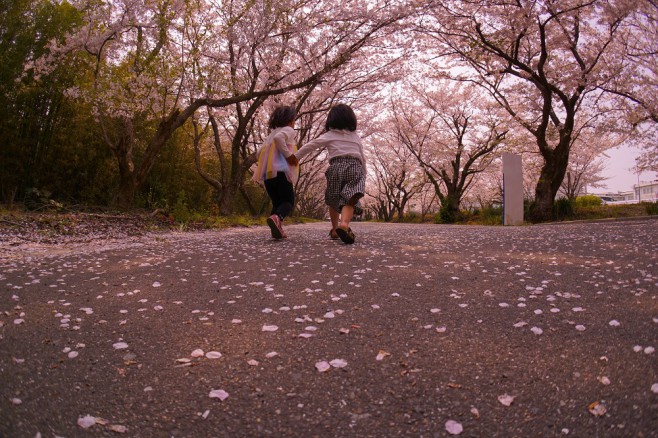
{"x": 346, "y": 176}
{"x": 277, "y": 167}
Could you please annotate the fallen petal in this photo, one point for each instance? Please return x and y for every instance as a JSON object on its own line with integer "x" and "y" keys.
{"x": 537, "y": 330}
{"x": 338, "y": 363}
{"x": 270, "y": 328}
{"x": 453, "y": 427}
{"x": 120, "y": 346}
{"x": 322, "y": 366}
{"x": 86, "y": 421}
{"x": 218, "y": 393}
{"x": 213, "y": 355}
{"x": 506, "y": 399}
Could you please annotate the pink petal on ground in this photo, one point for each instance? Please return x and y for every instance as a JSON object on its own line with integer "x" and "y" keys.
{"x": 338, "y": 363}
{"x": 218, "y": 393}
{"x": 87, "y": 421}
{"x": 453, "y": 427}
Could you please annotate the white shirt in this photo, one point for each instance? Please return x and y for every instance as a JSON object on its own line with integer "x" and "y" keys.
{"x": 281, "y": 137}
{"x": 339, "y": 143}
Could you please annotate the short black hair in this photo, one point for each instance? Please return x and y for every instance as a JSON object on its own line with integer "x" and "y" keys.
{"x": 282, "y": 116}
{"x": 341, "y": 116}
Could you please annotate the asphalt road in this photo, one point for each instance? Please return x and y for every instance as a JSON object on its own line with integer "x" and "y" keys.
{"x": 415, "y": 330}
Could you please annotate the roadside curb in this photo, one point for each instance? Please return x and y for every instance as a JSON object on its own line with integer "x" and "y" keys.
{"x": 612, "y": 219}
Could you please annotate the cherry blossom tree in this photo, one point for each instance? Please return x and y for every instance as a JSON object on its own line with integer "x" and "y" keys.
{"x": 452, "y": 133}
{"x": 542, "y": 62}
{"x": 161, "y": 61}
{"x": 396, "y": 177}
{"x": 636, "y": 80}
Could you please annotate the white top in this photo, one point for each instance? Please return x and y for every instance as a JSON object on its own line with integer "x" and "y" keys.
{"x": 339, "y": 143}
{"x": 281, "y": 137}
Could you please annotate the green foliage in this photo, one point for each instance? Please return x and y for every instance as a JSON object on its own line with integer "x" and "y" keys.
{"x": 652, "y": 208}
{"x": 412, "y": 217}
{"x": 563, "y": 209}
{"x": 491, "y": 215}
{"x": 587, "y": 201}
{"x": 180, "y": 211}
{"x": 446, "y": 215}
{"x": 34, "y": 113}
{"x": 36, "y": 199}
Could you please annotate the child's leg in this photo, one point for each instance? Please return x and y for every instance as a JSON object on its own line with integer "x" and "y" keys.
{"x": 347, "y": 212}
{"x": 334, "y": 216}
{"x": 282, "y": 194}
{"x": 286, "y": 196}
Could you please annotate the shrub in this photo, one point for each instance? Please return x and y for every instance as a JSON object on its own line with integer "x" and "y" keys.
{"x": 563, "y": 209}
{"x": 180, "y": 211}
{"x": 587, "y": 201}
{"x": 492, "y": 215}
{"x": 412, "y": 217}
{"x": 652, "y": 208}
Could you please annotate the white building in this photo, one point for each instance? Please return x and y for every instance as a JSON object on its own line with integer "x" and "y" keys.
{"x": 646, "y": 191}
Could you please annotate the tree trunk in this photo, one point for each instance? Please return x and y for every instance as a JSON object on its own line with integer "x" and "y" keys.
{"x": 550, "y": 179}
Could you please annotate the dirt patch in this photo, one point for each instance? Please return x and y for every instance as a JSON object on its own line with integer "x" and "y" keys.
{"x": 29, "y": 234}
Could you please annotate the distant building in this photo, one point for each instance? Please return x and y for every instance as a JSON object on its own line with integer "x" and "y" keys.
{"x": 646, "y": 191}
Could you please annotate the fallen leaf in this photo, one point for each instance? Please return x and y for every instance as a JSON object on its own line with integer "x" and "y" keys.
{"x": 597, "y": 409}
{"x": 118, "y": 428}
{"x": 382, "y": 354}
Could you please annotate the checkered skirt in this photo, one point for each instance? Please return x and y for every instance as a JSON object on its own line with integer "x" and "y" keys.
{"x": 346, "y": 178}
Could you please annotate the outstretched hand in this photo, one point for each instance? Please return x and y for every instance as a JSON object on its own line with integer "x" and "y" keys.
{"x": 292, "y": 160}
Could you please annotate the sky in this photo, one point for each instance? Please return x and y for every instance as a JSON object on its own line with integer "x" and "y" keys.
{"x": 620, "y": 173}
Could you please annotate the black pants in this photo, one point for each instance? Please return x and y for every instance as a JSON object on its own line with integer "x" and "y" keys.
{"x": 282, "y": 194}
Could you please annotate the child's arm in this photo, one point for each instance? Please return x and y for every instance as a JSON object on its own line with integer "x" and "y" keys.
{"x": 310, "y": 147}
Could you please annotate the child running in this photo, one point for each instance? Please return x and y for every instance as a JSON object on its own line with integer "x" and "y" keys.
{"x": 277, "y": 167}
{"x": 346, "y": 176}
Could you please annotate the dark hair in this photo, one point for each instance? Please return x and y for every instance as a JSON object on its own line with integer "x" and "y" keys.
{"x": 341, "y": 116}
{"x": 282, "y": 116}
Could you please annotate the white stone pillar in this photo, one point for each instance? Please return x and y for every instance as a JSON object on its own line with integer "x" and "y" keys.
{"x": 512, "y": 189}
